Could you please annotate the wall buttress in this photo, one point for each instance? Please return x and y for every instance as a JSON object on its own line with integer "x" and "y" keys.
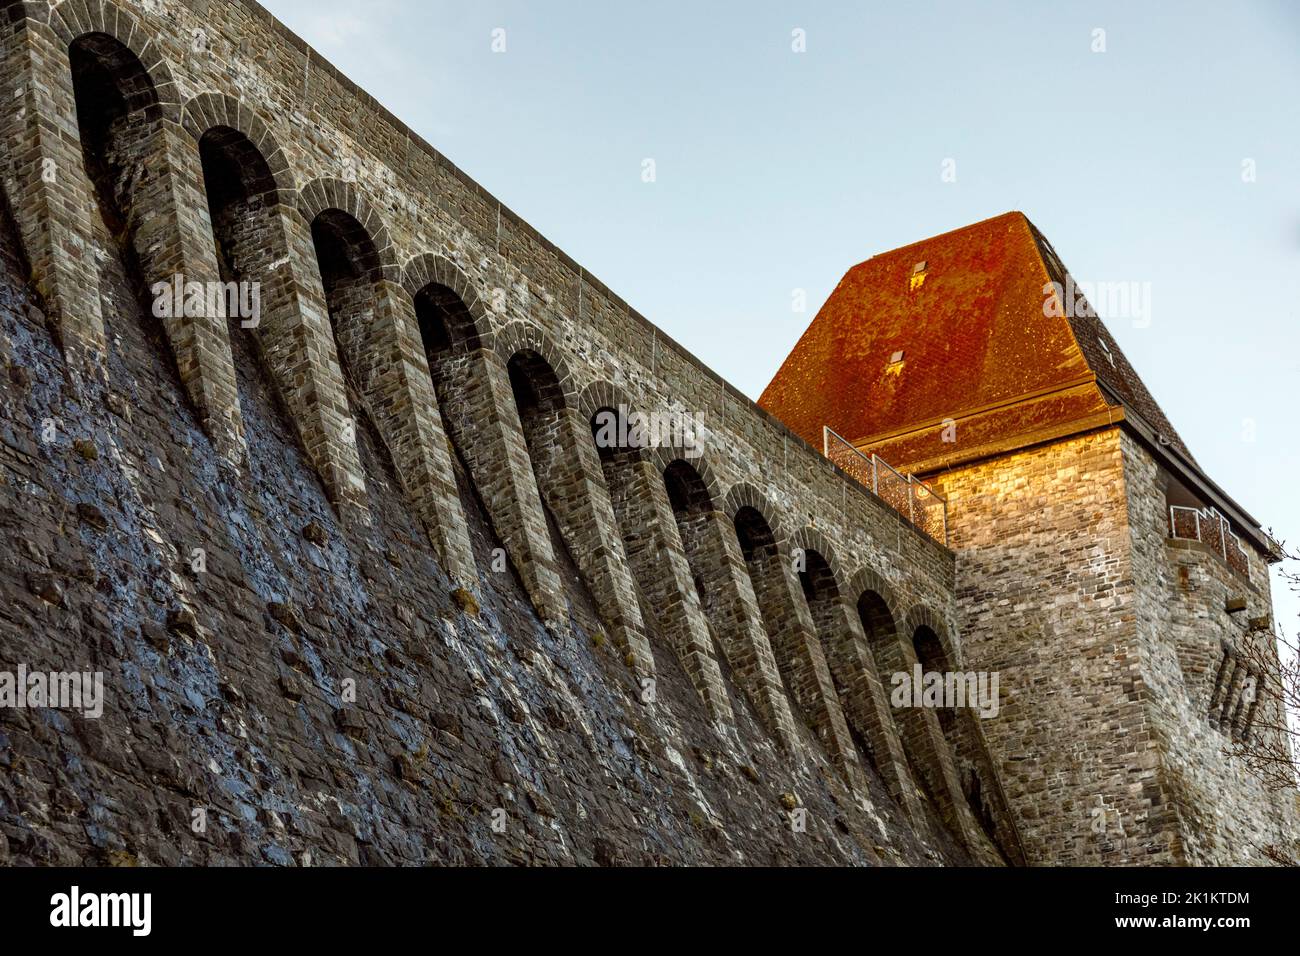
{"x": 568, "y": 470}
{"x": 803, "y": 664}
{"x": 49, "y": 194}
{"x": 658, "y": 563}
{"x": 295, "y": 337}
{"x": 479, "y": 412}
{"x": 732, "y": 612}
{"x": 172, "y": 236}
{"x": 395, "y": 383}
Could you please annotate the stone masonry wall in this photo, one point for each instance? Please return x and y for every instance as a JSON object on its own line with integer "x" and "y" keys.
{"x": 1048, "y": 598}
{"x": 312, "y": 688}
{"x": 1226, "y": 815}
{"x": 1108, "y": 638}
{"x": 304, "y": 543}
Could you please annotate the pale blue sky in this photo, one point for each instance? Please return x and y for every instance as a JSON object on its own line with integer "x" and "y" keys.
{"x": 778, "y": 170}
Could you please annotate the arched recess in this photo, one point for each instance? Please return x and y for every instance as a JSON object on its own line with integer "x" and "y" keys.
{"x": 569, "y": 479}
{"x": 379, "y": 348}
{"x": 266, "y": 270}
{"x": 328, "y": 194}
{"x": 877, "y": 611}
{"x": 790, "y": 627}
{"x": 644, "y": 521}
{"x": 453, "y": 292}
{"x": 351, "y": 275}
{"x": 71, "y": 20}
{"x": 933, "y": 659}
{"x": 724, "y": 589}
{"x": 854, "y": 674}
{"x": 208, "y": 111}
{"x": 974, "y": 781}
{"x": 932, "y": 650}
{"x": 144, "y": 174}
{"x": 478, "y": 411}
{"x": 823, "y": 596}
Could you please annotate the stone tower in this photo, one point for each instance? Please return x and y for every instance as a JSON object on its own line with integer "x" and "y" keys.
{"x": 1121, "y": 595}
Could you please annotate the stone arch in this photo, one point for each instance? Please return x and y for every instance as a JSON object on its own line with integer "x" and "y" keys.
{"x": 688, "y": 491}
{"x": 536, "y": 385}
{"x": 351, "y": 271}
{"x": 744, "y": 495}
{"x": 328, "y": 194}
{"x": 660, "y": 574}
{"x": 757, "y": 542}
{"x": 664, "y": 457}
{"x": 604, "y": 394}
{"x": 882, "y": 623}
{"x": 472, "y": 385}
{"x": 247, "y": 224}
{"x": 110, "y": 84}
{"x": 570, "y": 479}
{"x": 853, "y": 669}
{"x": 789, "y": 624}
{"x": 243, "y": 172}
{"x": 430, "y": 269}
{"x": 256, "y": 241}
{"x": 520, "y": 337}
{"x": 207, "y": 111}
{"x": 811, "y": 540}
{"x": 378, "y": 345}
{"x": 925, "y": 633}
{"x": 922, "y": 615}
{"x": 723, "y": 586}
{"x": 618, "y": 461}
{"x": 955, "y": 738}
{"x": 72, "y": 20}
{"x": 888, "y": 640}
{"x": 823, "y": 589}
{"x": 868, "y": 580}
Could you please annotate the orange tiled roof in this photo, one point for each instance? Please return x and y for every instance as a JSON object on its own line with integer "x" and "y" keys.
{"x": 953, "y": 329}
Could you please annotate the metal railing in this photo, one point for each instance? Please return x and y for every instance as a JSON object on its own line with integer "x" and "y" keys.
{"x": 914, "y": 500}
{"x": 1213, "y": 530}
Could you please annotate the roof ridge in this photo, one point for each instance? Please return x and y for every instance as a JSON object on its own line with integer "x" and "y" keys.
{"x": 970, "y": 227}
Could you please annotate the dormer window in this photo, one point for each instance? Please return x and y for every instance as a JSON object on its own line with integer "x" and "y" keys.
{"x": 918, "y": 277}
{"x": 1106, "y": 348}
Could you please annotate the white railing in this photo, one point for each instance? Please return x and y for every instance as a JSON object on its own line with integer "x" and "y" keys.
{"x": 1211, "y": 529}
{"x": 914, "y": 500}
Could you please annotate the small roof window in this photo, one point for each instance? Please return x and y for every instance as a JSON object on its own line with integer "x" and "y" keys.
{"x": 917, "y": 279}
{"x": 1106, "y": 348}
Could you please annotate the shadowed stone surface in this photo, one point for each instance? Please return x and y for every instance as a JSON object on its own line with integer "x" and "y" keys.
{"x": 225, "y": 689}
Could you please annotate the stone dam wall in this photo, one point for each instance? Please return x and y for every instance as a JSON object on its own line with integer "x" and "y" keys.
{"x": 364, "y": 584}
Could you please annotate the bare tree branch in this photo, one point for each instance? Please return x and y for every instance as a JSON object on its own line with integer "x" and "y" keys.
{"x": 1269, "y": 751}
